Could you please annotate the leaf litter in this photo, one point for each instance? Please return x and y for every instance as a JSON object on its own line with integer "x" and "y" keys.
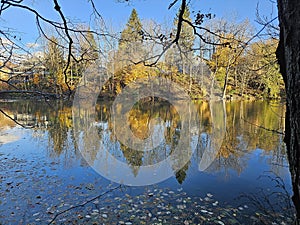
{"x": 33, "y": 192}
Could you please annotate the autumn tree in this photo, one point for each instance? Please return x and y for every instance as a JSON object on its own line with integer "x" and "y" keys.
{"x": 263, "y": 69}
{"x": 54, "y": 63}
{"x": 230, "y": 42}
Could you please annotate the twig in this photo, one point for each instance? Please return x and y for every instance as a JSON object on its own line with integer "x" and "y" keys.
{"x": 267, "y": 129}
{"x": 84, "y": 203}
{"x": 9, "y": 117}
{"x": 70, "y": 41}
{"x": 172, "y": 4}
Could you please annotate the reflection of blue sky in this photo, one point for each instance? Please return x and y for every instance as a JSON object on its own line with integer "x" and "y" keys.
{"x": 7, "y": 136}
{"x": 227, "y": 184}
{"x": 224, "y": 183}
{"x": 111, "y": 163}
{"x": 221, "y": 184}
{"x": 159, "y": 158}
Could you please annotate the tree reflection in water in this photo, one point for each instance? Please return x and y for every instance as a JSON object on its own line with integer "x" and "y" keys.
{"x": 241, "y": 143}
{"x": 241, "y": 135}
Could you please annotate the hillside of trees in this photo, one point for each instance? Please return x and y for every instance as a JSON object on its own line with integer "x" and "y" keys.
{"x": 240, "y": 68}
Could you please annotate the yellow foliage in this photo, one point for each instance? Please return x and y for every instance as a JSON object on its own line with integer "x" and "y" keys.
{"x": 139, "y": 122}
{"x": 65, "y": 117}
{"x": 36, "y": 79}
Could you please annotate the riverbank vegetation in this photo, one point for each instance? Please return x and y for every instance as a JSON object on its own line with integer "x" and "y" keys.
{"x": 225, "y": 54}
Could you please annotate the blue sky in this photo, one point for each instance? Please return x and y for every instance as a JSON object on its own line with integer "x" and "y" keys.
{"x": 116, "y": 13}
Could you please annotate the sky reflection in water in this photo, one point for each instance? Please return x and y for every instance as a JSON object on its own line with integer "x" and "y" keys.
{"x": 43, "y": 170}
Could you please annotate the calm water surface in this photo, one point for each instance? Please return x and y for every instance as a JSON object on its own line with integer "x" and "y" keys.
{"x": 45, "y": 178}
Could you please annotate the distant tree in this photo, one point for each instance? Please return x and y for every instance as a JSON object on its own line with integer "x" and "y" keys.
{"x": 264, "y": 69}
{"x": 187, "y": 38}
{"x": 54, "y": 63}
{"x": 88, "y": 52}
{"x": 182, "y": 55}
{"x": 230, "y": 45}
{"x": 131, "y": 41}
{"x": 88, "y": 47}
{"x": 132, "y": 31}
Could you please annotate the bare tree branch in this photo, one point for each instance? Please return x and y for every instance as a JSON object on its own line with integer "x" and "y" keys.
{"x": 15, "y": 121}
{"x": 84, "y": 203}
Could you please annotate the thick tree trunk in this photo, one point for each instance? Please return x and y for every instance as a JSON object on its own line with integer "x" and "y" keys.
{"x": 288, "y": 54}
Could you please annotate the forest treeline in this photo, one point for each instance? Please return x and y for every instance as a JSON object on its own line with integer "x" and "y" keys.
{"x": 238, "y": 67}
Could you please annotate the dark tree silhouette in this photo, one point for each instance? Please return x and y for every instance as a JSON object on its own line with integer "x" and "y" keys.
{"x": 288, "y": 54}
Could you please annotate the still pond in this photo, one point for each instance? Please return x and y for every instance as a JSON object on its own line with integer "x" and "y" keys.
{"x": 46, "y": 177}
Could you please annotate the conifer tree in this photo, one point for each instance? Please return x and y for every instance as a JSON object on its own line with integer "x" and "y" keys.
{"x": 131, "y": 41}
{"x": 187, "y": 37}
{"x": 88, "y": 47}
{"x": 181, "y": 55}
{"x": 132, "y": 31}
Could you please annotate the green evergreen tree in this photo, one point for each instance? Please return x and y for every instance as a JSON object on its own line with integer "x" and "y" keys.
{"x": 132, "y": 31}
{"x": 88, "y": 47}
{"x": 181, "y": 55}
{"x": 187, "y": 37}
{"x": 131, "y": 41}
